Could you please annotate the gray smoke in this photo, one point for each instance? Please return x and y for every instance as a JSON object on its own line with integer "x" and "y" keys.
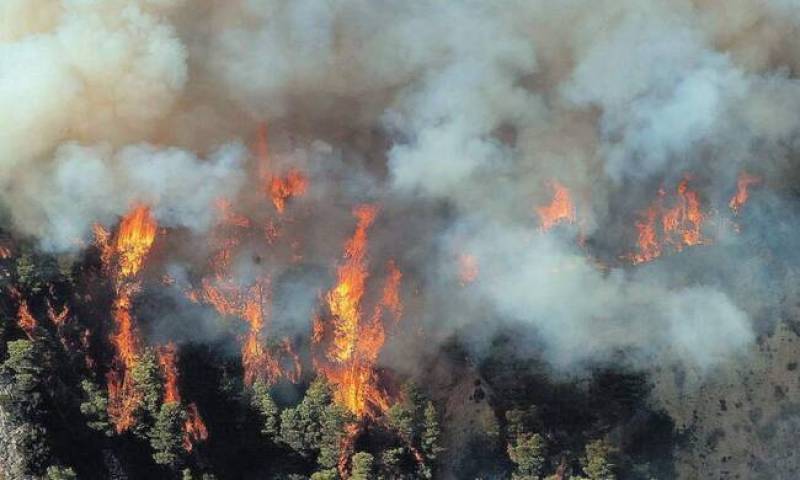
{"x": 454, "y": 116}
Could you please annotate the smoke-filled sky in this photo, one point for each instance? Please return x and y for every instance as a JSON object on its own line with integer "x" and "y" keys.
{"x": 455, "y": 118}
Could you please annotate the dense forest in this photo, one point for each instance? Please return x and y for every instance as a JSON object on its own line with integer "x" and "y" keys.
{"x": 55, "y": 421}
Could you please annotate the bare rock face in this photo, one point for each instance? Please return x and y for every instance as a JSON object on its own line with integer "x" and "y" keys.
{"x": 741, "y": 420}
{"x": 12, "y": 461}
{"x": 470, "y": 428}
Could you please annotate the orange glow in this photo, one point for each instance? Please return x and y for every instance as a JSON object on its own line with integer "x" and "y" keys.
{"x": 743, "y": 183}
{"x": 134, "y": 239}
{"x": 293, "y": 184}
{"x": 167, "y": 359}
{"x": 559, "y": 210}
{"x": 351, "y": 342}
{"x": 344, "y": 301}
{"x": 648, "y": 244}
{"x": 467, "y": 269}
{"x": 279, "y": 188}
{"x": 194, "y": 429}
{"x": 26, "y": 321}
{"x": 681, "y": 224}
{"x": 124, "y": 258}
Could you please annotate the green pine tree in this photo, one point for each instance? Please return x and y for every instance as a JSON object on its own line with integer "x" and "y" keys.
{"x": 95, "y": 407}
{"x": 597, "y": 462}
{"x": 166, "y": 436}
{"x": 363, "y": 466}
{"x": 262, "y": 401}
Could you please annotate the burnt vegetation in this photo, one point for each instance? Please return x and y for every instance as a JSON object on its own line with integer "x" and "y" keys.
{"x": 55, "y": 402}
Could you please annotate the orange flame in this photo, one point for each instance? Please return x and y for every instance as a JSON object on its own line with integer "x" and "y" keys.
{"x": 167, "y": 359}
{"x": 26, "y": 321}
{"x": 124, "y": 257}
{"x": 58, "y": 318}
{"x": 294, "y": 184}
{"x": 648, "y": 243}
{"x": 467, "y": 269}
{"x": 353, "y": 341}
{"x": 134, "y": 239}
{"x": 681, "y": 225}
{"x": 280, "y": 189}
{"x": 743, "y": 183}
{"x": 559, "y": 210}
{"x": 194, "y": 429}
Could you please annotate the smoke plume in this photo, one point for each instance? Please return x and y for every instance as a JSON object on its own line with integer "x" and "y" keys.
{"x": 458, "y": 120}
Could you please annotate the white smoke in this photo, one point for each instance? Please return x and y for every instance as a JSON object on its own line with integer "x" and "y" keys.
{"x": 469, "y": 106}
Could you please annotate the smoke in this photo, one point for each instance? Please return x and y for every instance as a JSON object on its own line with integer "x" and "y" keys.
{"x": 454, "y": 117}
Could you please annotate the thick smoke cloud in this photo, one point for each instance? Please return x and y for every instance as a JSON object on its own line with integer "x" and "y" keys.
{"x": 466, "y": 110}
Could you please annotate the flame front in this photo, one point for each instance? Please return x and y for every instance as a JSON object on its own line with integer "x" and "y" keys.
{"x": 354, "y": 341}
{"x": 681, "y": 224}
{"x": 124, "y": 258}
{"x": 134, "y": 239}
{"x": 559, "y": 210}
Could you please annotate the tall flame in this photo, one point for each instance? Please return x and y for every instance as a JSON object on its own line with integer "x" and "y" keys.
{"x": 167, "y": 359}
{"x": 559, "y": 210}
{"x": 124, "y": 258}
{"x": 743, "y": 183}
{"x": 354, "y": 341}
{"x": 194, "y": 429}
{"x": 134, "y": 239}
{"x": 26, "y": 321}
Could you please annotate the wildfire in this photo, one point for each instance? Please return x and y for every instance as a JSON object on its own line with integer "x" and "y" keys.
{"x": 559, "y": 210}
{"x": 467, "y": 269}
{"x": 294, "y": 184}
{"x": 649, "y": 246}
{"x": 124, "y": 258}
{"x": 743, "y": 183}
{"x": 194, "y": 429}
{"x": 26, "y": 321}
{"x": 134, "y": 239}
{"x": 167, "y": 359}
{"x": 681, "y": 224}
{"x": 279, "y": 188}
{"x": 353, "y": 340}
{"x": 257, "y": 360}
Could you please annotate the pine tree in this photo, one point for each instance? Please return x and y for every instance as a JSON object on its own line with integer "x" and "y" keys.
{"x": 334, "y": 421}
{"x": 597, "y": 462}
{"x": 327, "y": 474}
{"x": 95, "y": 407}
{"x": 302, "y": 426}
{"x": 527, "y": 453}
{"x": 60, "y": 473}
{"x": 430, "y": 440}
{"x": 166, "y": 436}
{"x": 363, "y": 466}
{"x": 22, "y": 379}
{"x": 148, "y": 384}
{"x": 262, "y": 401}
{"x": 391, "y": 463}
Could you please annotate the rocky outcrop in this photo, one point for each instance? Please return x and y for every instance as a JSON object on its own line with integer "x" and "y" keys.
{"x": 12, "y": 460}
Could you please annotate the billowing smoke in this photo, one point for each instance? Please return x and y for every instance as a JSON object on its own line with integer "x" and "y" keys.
{"x": 455, "y": 118}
